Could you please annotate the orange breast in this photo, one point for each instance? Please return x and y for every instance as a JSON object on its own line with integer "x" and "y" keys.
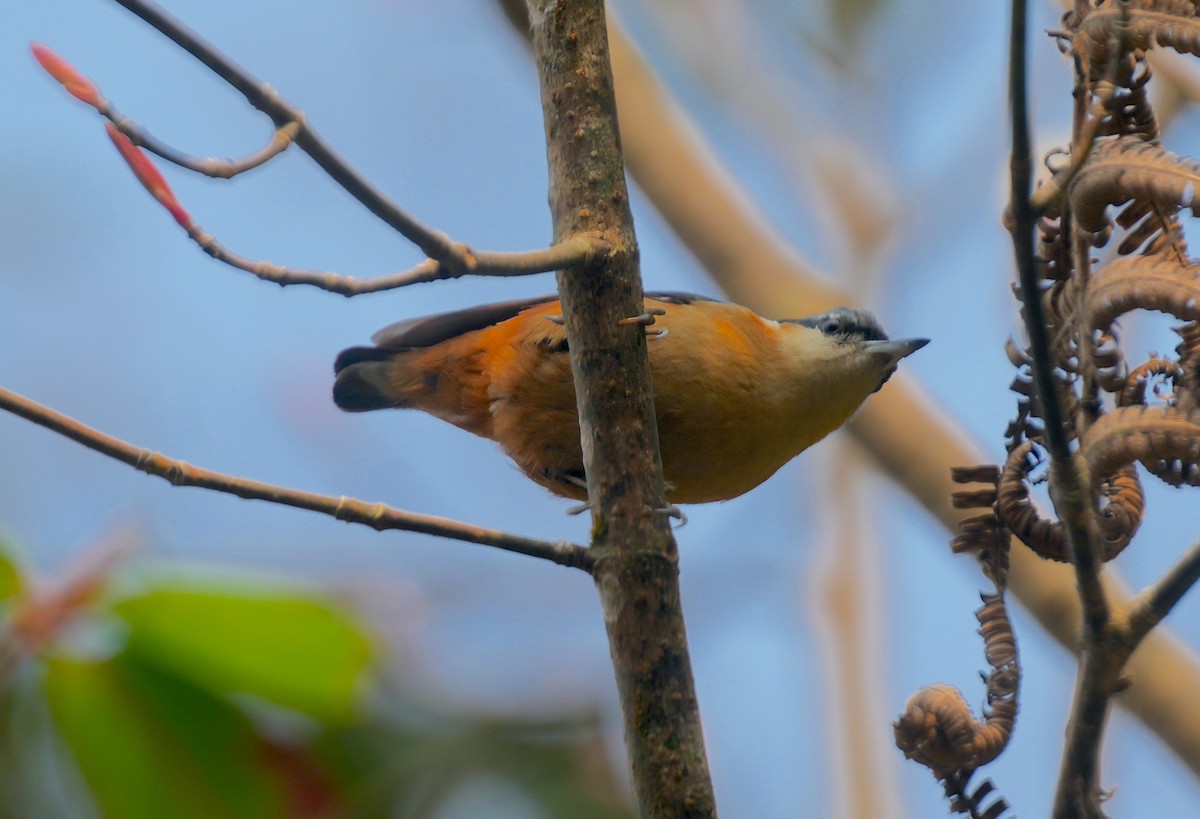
{"x": 720, "y": 431}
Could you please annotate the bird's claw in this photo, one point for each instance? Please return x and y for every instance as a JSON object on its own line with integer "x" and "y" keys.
{"x": 674, "y": 511}
{"x": 646, "y": 318}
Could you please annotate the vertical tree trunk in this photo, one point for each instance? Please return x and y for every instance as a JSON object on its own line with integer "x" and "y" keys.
{"x": 636, "y": 569}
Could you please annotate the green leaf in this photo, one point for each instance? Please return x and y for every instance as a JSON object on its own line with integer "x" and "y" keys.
{"x": 10, "y": 571}
{"x": 285, "y": 647}
{"x": 151, "y": 745}
{"x": 38, "y": 777}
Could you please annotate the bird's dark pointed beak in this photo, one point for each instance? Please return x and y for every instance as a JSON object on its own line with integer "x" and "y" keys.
{"x": 891, "y": 351}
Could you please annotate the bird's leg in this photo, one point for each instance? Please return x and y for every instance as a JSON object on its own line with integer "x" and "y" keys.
{"x": 572, "y": 479}
{"x": 674, "y": 511}
{"x": 646, "y": 318}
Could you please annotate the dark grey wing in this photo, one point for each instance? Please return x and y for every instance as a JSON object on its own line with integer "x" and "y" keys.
{"x": 844, "y": 322}
{"x": 675, "y": 297}
{"x": 426, "y": 331}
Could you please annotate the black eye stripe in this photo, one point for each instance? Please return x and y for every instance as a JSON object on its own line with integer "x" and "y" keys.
{"x": 844, "y": 323}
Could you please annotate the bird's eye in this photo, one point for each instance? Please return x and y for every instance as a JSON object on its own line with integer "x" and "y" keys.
{"x": 844, "y": 324}
{"x": 832, "y": 324}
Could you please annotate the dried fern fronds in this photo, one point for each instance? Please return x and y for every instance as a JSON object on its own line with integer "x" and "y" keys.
{"x": 938, "y": 728}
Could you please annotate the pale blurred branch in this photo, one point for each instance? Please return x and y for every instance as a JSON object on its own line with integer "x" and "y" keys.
{"x": 906, "y": 434}
{"x": 845, "y": 594}
{"x": 376, "y": 515}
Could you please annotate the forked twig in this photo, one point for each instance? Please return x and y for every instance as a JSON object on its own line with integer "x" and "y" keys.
{"x": 446, "y": 258}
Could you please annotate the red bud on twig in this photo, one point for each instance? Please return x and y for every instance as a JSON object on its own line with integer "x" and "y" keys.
{"x": 77, "y": 85}
{"x": 150, "y": 177}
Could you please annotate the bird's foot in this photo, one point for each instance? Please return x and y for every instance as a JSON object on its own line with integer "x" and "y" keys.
{"x": 674, "y": 511}
{"x": 646, "y": 318}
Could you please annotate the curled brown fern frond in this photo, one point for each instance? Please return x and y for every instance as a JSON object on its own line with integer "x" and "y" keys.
{"x": 1142, "y": 25}
{"x": 1028, "y": 424}
{"x": 1122, "y": 506}
{"x": 1144, "y": 374}
{"x": 1017, "y": 355}
{"x": 1000, "y": 648}
{"x": 1165, "y": 440}
{"x": 1152, "y": 228}
{"x": 981, "y": 535}
{"x": 1128, "y": 169}
{"x": 1025, "y": 427}
{"x": 1018, "y": 512}
{"x": 1059, "y": 303}
{"x": 938, "y": 728}
{"x": 1053, "y": 253}
{"x": 1153, "y": 282}
{"x": 1109, "y": 362}
{"x": 1187, "y": 385}
{"x": 1126, "y": 103}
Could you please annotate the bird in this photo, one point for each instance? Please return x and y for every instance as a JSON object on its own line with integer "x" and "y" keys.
{"x": 736, "y": 395}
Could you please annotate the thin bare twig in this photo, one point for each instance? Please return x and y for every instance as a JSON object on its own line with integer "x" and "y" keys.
{"x": 447, "y": 258}
{"x": 218, "y": 168}
{"x": 435, "y": 244}
{"x": 1149, "y": 608}
{"x": 573, "y": 251}
{"x": 1104, "y": 651}
{"x": 83, "y": 89}
{"x": 1071, "y": 494}
{"x": 378, "y": 516}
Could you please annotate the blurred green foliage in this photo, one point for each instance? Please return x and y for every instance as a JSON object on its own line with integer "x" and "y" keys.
{"x": 10, "y": 574}
{"x": 146, "y": 739}
{"x": 134, "y": 695}
{"x": 292, "y": 650}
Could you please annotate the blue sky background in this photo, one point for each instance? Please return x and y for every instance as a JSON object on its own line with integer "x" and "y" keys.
{"x": 109, "y": 314}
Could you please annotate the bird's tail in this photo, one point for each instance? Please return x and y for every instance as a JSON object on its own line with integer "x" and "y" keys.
{"x": 442, "y": 381}
{"x": 362, "y": 384}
